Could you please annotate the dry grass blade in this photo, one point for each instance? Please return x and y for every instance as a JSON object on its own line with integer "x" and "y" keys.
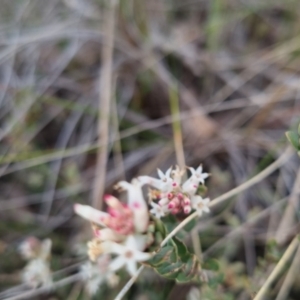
{"x": 278, "y": 269}
{"x": 104, "y": 104}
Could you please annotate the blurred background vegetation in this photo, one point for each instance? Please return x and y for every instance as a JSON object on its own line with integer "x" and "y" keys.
{"x": 223, "y": 74}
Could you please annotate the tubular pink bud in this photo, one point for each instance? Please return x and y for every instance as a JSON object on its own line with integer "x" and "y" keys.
{"x": 186, "y": 201}
{"x": 113, "y": 202}
{"x": 187, "y": 209}
{"x": 176, "y": 201}
{"x": 170, "y": 196}
{"x": 171, "y": 205}
{"x": 91, "y": 214}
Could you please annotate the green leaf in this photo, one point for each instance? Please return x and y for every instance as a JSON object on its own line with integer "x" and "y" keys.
{"x": 168, "y": 270}
{"x": 160, "y": 227}
{"x": 211, "y": 264}
{"x": 299, "y": 129}
{"x": 293, "y": 139}
{"x": 174, "y": 261}
{"x": 164, "y": 254}
{"x": 191, "y": 270}
{"x": 181, "y": 249}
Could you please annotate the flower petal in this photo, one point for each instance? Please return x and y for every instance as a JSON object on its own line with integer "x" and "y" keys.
{"x": 199, "y": 169}
{"x": 45, "y": 249}
{"x": 156, "y": 183}
{"x": 131, "y": 267}
{"x": 141, "y": 256}
{"x": 113, "y": 247}
{"x": 161, "y": 175}
{"x": 117, "y": 263}
{"x": 108, "y": 234}
{"x": 158, "y": 210}
{"x": 137, "y": 204}
{"x": 91, "y": 214}
{"x": 140, "y": 241}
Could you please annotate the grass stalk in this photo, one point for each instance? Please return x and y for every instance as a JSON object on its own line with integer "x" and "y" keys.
{"x": 104, "y": 104}
{"x": 278, "y": 269}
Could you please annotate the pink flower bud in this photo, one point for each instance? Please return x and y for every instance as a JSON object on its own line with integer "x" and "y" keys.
{"x": 175, "y": 211}
{"x": 187, "y": 209}
{"x": 176, "y": 201}
{"x": 186, "y": 201}
{"x": 113, "y": 202}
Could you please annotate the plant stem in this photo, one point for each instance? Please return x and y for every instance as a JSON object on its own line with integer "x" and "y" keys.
{"x": 277, "y": 270}
{"x": 266, "y": 172}
{"x": 128, "y": 285}
{"x": 290, "y": 277}
{"x": 177, "y": 133}
{"x": 42, "y": 290}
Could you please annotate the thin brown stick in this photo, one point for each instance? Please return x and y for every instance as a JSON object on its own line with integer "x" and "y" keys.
{"x": 42, "y": 290}
{"x": 289, "y": 216}
{"x": 290, "y": 277}
{"x": 104, "y": 103}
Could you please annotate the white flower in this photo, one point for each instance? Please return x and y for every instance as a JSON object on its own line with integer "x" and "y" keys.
{"x": 37, "y": 273}
{"x": 173, "y": 196}
{"x": 190, "y": 186}
{"x": 129, "y": 254}
{"x": 32, "y": 248}
{"x": 92, "y": 277}
{"x": 164, "y": 183}
{"x": 157, "y": 210}
{"x": 200, "y": 205}
{"x": 94, "y": 274}
{"x": 29, "y": 248}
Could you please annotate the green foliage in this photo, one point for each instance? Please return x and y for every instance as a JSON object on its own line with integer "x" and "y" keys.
{"x": 174, "y": 261}
{"x": 294, "y": 138}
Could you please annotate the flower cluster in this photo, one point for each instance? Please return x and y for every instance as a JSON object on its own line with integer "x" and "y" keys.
{"x": 37, "y": 272}
{"x": 94, "y": 274}
{"x": 172, "y": 195}
{"x": 122, "y": 233}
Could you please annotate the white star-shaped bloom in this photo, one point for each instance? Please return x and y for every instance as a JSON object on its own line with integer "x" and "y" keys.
{"x": 129, "y": 255}
{"x": 190, "y": 186}
{"x": 198, "y": 174}
{"x": 157, "y": 210}
{"x": 200, "y": 204}
{"x": 164, "y": 183}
